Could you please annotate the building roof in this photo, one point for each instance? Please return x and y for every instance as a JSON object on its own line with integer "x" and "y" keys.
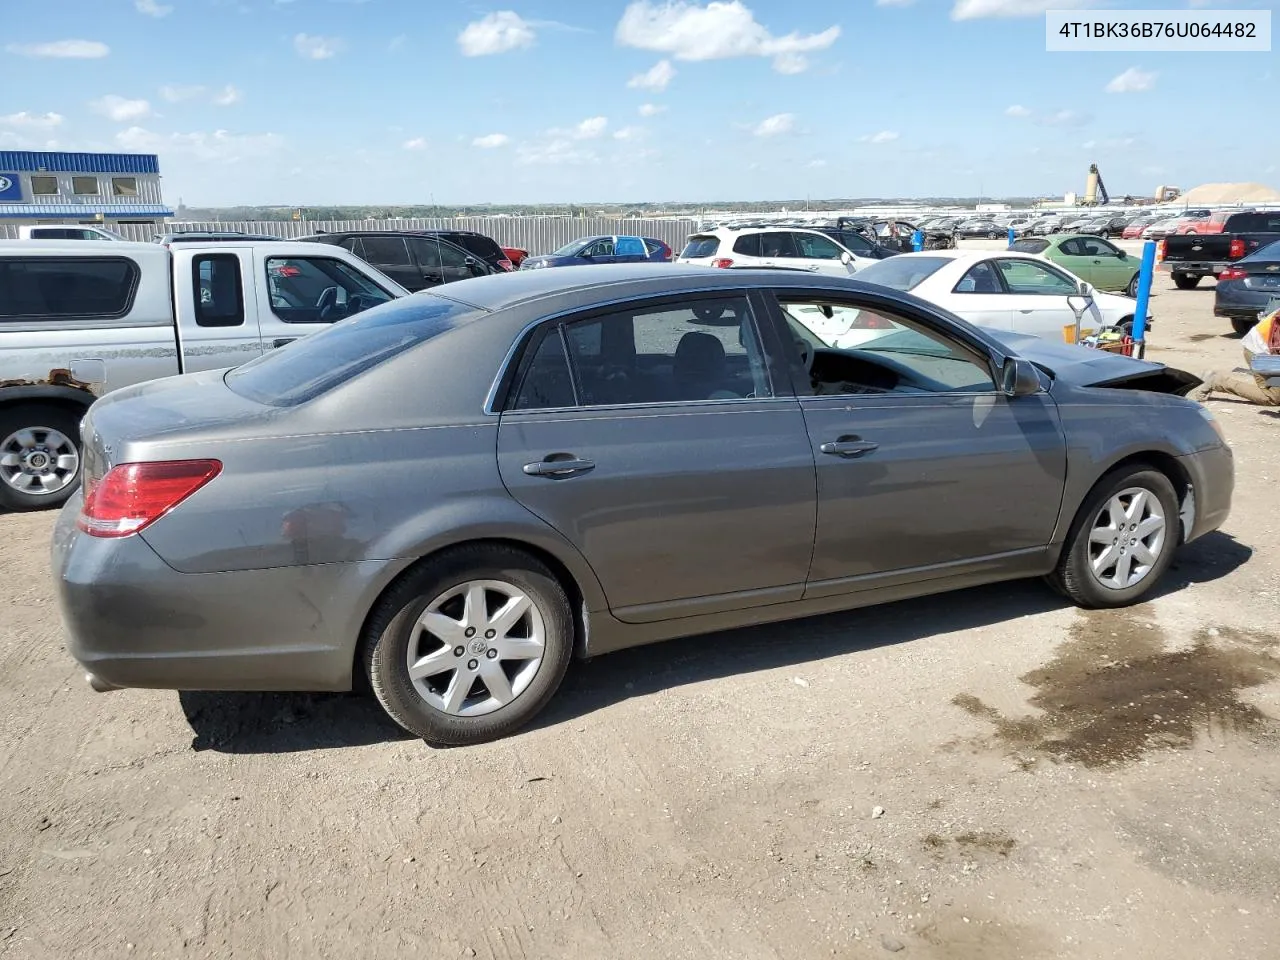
{"x": 82, "y": 210}
{"x": 35, "y": 161}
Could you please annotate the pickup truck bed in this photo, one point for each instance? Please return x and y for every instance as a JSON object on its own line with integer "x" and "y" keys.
{"x": 1190, "y": 257}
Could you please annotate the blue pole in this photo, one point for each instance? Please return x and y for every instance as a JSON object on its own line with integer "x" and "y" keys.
{"x": 1145, "y": 274}
{"x": 1013, "y": 235}
{"x": 917, "y": 240}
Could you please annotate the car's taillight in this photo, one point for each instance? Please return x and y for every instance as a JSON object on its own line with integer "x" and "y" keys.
{"x": 506, "y": 264}
{"x": 132, "y": 496}
{"x": 1237, "y": 249}
{"x": 1233, "y": 273}
{"x": 723, "y": 262}
{"x": 1160, "y": 250}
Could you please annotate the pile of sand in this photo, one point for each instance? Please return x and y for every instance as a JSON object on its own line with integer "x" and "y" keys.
{"x": 1212, "y": 193}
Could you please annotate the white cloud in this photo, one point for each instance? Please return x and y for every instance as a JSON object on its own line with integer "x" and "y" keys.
{"x": 979, "y": 9}
{"x": 775, "y": 125}
{"x": 590, "y": 128}
{"x": 120, "y": 109}
{"x": 496, "y": 33}
{"x": 651, "y": 109}
{"x": 221, "y": 145}
{"x": 815, "y": 164}
{"x": 227, "y": 96}
{"x": 176, "y": 94}
{"x": 316, "y": 48}
{"x": 628, "y": 133}
{"x": 1088, "y": 144}
{"x": 32, "y": 121}
{"x": 1017, "y": 110}
{"x": 151, "y": 8}
{"x": 1132, "y": 80}
{"x": 556, "y": 151}
{"x": 64, "y": 49}
{"x": 689, "y": 31}
{"x": 655, "y": 78}
{"x": 883, "y": 136}
{"x": 417, "y": 143}
{"x": 491, "y": 141}
{"x": 1065, "y": 118}
{"x": 397, "y": 42}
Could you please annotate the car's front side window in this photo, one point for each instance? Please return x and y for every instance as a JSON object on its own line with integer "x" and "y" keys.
{"x": 1037, "y": 279}
{"x": 319, "y": 289}
{"x": 846, "y": 348}
{"x": 814, "y": 246}
{"x": 674, "y": 352}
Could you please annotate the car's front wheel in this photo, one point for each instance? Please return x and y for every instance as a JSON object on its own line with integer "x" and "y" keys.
{"x": 1132, "y": 289}
{"x": 470, "y": 646}
{"x": 1122, "y": 539}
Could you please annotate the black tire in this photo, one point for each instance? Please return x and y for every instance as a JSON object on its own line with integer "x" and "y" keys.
{"x": 1132, "y": 289}
{"x": 390, "y": 629}
{"x": 1105, "y": 235}
{"x": 993, "y": 235}
{"x": 1242, "y": 325}
{"x": 1073, "y": 577}
{"x": 1186, "y": 281}
{"x": 38, "y": 418}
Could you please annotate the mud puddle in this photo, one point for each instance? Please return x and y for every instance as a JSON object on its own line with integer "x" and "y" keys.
{"x": 1115, "y": 692}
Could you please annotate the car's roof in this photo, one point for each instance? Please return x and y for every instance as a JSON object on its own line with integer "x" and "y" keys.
{"x": 87, "y": 247}
{"x": 603, "y": 282}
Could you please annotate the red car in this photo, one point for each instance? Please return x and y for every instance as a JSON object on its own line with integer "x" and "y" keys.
{"x": 515, "y": 255}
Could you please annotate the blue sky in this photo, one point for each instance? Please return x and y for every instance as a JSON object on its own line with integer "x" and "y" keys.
{"x": 405, "y": 101}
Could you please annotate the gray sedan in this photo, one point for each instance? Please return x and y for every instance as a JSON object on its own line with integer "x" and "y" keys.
{"x": 457, "y": 492}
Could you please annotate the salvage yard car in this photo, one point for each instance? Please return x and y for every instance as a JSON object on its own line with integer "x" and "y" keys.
{"x": 455, "y": 493}
{"x": 80, "y": 318}
{"x": 752, "y": 245}
{"x": 1090, "y": 258}
{"x": 1004, "y": 290}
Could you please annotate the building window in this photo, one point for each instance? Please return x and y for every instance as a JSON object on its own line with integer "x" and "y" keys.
{"x": 44, "y": 186}
{"x": 124, "y": 186}
{"x": 84, "y": 186}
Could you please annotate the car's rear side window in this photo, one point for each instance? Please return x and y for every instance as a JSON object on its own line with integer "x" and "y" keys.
{"x": 316, "y": 364}
{"x": 748, "y": 245}
{"x": 1253, "y": 223}
{"x": 66, "y": 288}
{"x": 1030, "y": 246}
{"x": 701, "y": 247}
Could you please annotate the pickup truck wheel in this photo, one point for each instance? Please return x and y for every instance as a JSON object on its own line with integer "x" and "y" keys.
{"x": 39, "y": 456}
{"x": 1241, "y": 325}
{"x": 1186, "y": 281}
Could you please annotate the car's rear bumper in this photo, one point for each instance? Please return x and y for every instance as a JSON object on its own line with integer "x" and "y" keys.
{"x": 1212, "y": 475}
{"x": 133, "y": 621}
{"x": 1233, "y": 300}
{"x": 1202, "y": 268}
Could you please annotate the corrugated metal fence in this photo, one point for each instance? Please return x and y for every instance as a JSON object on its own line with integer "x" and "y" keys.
{"x": 536, "y": 234}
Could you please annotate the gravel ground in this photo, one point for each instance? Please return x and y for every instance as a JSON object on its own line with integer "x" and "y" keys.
{"x": 987, "y": 774}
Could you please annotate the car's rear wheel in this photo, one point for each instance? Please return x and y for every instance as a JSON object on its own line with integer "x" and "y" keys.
{"x": 1242, "y": 325}
{"x": 39, "y": 456}
{"x": 470, "y": 646}
{"x": 1186, "y": 281}
{"x": 1121, "y": 541}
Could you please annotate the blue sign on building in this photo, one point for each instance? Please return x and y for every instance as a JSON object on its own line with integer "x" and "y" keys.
{"x": 10, "y": 188}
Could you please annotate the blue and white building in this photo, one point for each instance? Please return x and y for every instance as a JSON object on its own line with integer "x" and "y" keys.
{"x": 100, "y": 189}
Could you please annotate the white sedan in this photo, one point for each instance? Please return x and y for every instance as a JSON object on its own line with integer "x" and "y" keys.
{"x": 1003, "y": 290}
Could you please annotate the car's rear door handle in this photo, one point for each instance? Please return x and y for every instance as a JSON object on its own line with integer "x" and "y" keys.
{"x": 848, "y": 447}
{"x": 568, "y": 467}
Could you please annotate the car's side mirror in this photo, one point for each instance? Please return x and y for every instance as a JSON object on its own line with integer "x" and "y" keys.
{"x": 1122, "y": 255}
{"x": 1019, "y": 378}
{"x": 846, "y": 258}
{"x": 1084, "y": 290}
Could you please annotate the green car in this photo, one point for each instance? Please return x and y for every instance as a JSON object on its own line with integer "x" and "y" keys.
{"x": 1102, "y": 264}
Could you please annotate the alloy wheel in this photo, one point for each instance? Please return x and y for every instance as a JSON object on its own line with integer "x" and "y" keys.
{"x": 476, "y": 648}
{"x": 38, "y": 461}
{"x": 1126, "y": 538}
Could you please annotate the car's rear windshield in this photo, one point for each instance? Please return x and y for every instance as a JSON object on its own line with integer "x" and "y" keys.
{"x": 901, "y": 272}
{"x": 309, "y": 367}
{"x": 1253, "y": 223}
{"x": 701, "y": 247}
{"x": 1029, "y": 246}
{"x": 479, "y": 244}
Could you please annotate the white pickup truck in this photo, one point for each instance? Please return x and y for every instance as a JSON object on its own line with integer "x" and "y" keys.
{"x": 79, "y": 318}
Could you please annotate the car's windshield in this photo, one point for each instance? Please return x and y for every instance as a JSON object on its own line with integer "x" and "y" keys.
{"x": 571, "y": 249}
{"x": 901, "y": 272}
{"x": 317, "y": 363}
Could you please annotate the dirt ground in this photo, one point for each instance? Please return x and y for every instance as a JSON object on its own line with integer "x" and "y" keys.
{"x": 985, "y": 775}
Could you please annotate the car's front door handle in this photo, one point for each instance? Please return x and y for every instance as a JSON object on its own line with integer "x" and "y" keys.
{"x": 559, "y": 468}
{"x": 848, "y": 447}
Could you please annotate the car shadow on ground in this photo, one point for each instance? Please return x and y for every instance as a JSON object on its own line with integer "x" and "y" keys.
{"x": 292, "y": 722}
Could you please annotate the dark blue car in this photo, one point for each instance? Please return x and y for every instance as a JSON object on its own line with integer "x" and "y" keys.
{"x": 603, "y": 250}
{"x": 1247, "y": 288}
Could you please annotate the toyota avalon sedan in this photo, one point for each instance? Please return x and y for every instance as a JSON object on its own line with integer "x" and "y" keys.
{"x": 455, "y": 493}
